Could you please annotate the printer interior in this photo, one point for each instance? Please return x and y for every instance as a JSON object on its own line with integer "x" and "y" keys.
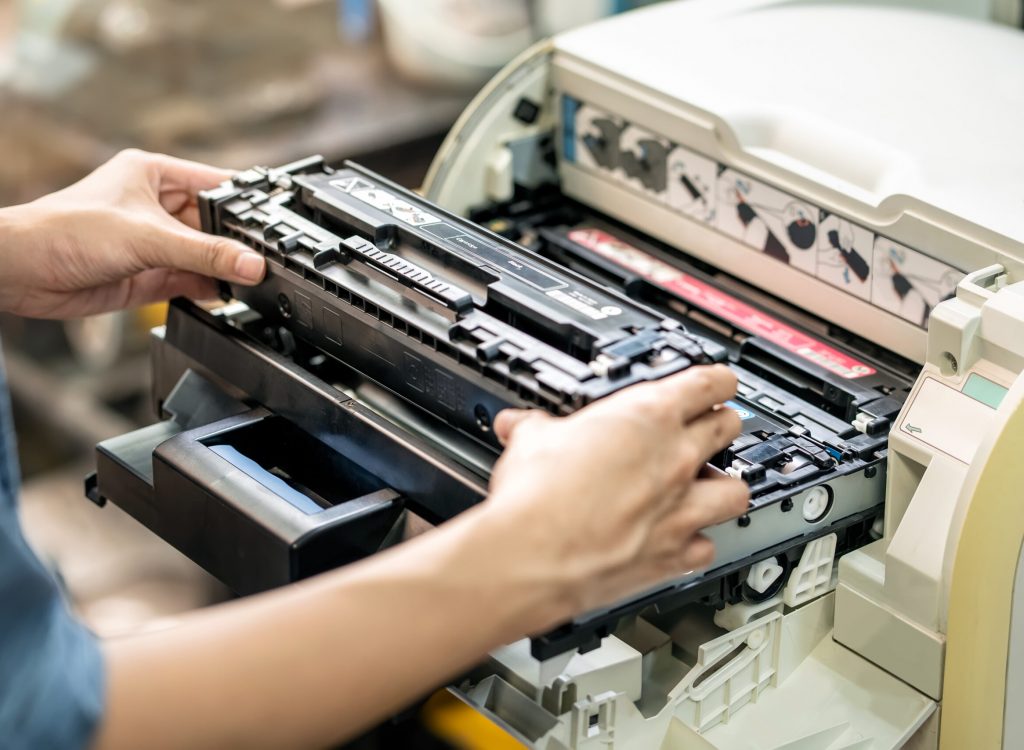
{"x": 598, "y": 219}
{"x": 433, "y": 340}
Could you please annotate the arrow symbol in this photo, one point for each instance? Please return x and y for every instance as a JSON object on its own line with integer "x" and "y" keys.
{"x": 912, "y": 429}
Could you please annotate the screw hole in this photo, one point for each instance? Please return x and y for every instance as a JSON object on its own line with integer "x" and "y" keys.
{"x": 483, "y": 418}
{"x": 949, "y": 364}
{"x": 284, "y": 305}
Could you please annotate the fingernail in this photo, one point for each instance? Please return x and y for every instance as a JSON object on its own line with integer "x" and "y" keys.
{"x": 250, "y": 267}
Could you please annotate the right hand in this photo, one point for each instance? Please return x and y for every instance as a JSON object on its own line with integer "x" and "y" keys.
{"x": 607, "y": 502}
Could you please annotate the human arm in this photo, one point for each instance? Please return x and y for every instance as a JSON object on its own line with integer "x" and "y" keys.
{"x": 125, "y": 235}
{"x": 582, "y": 511}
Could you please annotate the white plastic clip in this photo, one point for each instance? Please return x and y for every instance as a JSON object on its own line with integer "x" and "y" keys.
{"x": 763, "y": 574}
{"x": 860, "y": 422}
{"x": 812, "y": 576}
{"x": 736, "y": 470}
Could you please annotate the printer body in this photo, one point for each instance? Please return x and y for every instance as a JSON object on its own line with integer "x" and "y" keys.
{"x": 825, "y": 196}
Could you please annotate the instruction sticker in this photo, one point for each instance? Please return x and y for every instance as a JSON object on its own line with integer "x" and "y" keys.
{"x": 716, "y": 302}
{"x": 596, "y": 138}
{"x": 794, "y": 231}
{"x": 385, "y": 201}
{"x": 691, "y": 184}
{"x": 767, "y": 219}
{"x": 643, "y": 159}
{"x": 845, "y": 252}
{"x": 909, "y": 283}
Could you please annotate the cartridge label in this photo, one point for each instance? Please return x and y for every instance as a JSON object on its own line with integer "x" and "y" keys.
{"x": 715, "y": 302}
{"x": 456, "y": 238}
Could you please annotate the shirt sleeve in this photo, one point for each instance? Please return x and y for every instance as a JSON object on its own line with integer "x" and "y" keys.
{"x": 51, "y": 666}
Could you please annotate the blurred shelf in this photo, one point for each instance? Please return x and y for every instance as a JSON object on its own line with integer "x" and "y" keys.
{"x": 366, "y": 109}
{"x": 82, "y": 407}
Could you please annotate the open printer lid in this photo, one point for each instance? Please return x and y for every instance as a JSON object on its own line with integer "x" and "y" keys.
{"x": 907, "y": 123}
{"x": 822, "y": 120}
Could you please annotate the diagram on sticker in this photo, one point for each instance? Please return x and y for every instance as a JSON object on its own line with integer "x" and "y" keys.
{"x": 348, "y": 184}
{"x": 400, "y": 209}
{"x": 643, "y": 159}
{"x": 908, "y": 283}
{"x": 845, "y": 251}
{"x": 691, "y": 184}
{"x": 632, "y": 155}
{"x": 597, "y": 138}
{"x": 374, "y": 196}
{"x": 768, "y": 220}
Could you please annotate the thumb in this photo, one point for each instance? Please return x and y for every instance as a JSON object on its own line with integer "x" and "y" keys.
{"x": 509, "y": 419}
{"x": 185, "y": 249}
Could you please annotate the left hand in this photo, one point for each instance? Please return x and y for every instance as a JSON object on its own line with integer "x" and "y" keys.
{"x": 126, "y": 235}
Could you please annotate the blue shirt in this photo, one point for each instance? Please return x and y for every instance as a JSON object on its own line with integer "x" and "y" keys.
{"x": 51, "y": 668}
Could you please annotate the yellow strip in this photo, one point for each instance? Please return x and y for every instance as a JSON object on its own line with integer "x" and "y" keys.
{"x": 452, "y": 720}
{"x": 151, "y": 316}
{"x": 981, "y": 598}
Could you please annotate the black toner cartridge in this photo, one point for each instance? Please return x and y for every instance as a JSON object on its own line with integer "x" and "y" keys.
{"x": 420, "y": 300}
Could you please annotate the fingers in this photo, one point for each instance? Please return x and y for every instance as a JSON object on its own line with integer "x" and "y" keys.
{"x": 189, "y": 216}
{"x": 717, "y": 500}
{"x": 701, "y": 439}
{"x": 691, "y": 555}
{"x": 178, "y": 247}
{"x": 509, "y": 419}
{"x": 154, "y": 285}
{"x": 174, "y": 184}
{"x": 190, "y": 176}
{"x": 696, "y": 390}
{"x": 179, "y": 183}
{"x": 698, "y": 554}
{"x": 162, "y": 284}
{"x": 706, "y": 503}
{"x": 168, "y": 173}
{"x": 714, "y": 431}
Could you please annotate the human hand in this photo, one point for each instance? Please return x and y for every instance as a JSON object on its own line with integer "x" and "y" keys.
{"x": 126, "y": 235}
{"x": 608, "y": 501}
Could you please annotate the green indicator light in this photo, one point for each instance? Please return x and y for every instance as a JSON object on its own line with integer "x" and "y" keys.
{"x": 984, "y": 390}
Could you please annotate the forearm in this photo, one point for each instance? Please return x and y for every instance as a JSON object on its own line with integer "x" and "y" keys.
{"x": 319, "y": 661}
